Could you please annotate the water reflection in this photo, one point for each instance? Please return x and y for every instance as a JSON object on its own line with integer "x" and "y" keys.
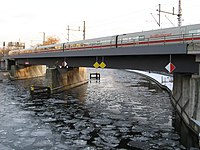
{"x": 190, "y": 139}
{"x": 124, "y": 110}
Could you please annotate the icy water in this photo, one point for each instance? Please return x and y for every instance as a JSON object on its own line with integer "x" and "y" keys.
{"x": 122, "y": 111}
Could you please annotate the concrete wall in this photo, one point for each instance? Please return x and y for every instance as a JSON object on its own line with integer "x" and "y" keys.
{"x": 25, "y": 72}
{"x": 186, "y": 93}
{"x": 62, "y": 79}
{"x": 55, "y": 78}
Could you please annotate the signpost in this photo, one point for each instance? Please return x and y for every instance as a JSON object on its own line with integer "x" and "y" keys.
{"x": 170, "y": 67}
{"x": 97, "y": 65}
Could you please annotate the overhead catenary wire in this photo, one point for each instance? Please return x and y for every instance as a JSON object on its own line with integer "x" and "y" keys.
{"x": 126, "y": 18}
{"x": 111, "y": 26}
{"x": 131, "y": 14}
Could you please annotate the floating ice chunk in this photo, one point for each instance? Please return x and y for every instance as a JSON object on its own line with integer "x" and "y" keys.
{"x": 3, "y": 147}
{"x": 41, "y": 132}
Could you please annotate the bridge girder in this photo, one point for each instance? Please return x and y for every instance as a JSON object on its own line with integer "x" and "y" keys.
{"x": 152, "y": 58}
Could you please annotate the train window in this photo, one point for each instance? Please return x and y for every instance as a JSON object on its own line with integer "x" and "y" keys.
{"x": 94, "y": 43}
{"x": 136, "y": 38}
{"x": 196, "y": 32}
{"x": 141, "y": 38}
{"x": 66, "y": 45}
{"x": 126, "y": 40}
{"x": 106, "y": 41}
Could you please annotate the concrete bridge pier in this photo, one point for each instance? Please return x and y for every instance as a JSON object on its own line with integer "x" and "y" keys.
{"x": 55, "y": 78}
{"x": 186, "y": 99}
{"x": 18, "y": 72}
{"x": 62, "y": 79}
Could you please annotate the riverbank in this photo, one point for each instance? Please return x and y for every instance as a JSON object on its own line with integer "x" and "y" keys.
{"x": 166, "y": 82}
{"x": 163, "y": 79}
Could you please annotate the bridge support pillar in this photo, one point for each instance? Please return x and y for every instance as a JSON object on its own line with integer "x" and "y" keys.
{"x": 186, "y": 99}
{"x": 25, "y": 72}
{"x": 62, "y": 79}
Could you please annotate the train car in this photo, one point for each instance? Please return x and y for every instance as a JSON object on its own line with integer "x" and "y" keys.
{"x": 14, "y": 52}
{"x": 46, "y": 48}
{"x": 139, "y": 38}
{"x": 160, "y": 36}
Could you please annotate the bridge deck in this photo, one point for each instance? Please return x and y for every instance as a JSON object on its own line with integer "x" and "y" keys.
{"x": 152, "y": 58}
{"x": 120, "y": 51}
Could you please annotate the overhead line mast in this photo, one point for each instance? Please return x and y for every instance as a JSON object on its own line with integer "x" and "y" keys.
{"x": 171, "y": 13}
{"x": 84, "y": 30}
{"x": 179, "y": 13}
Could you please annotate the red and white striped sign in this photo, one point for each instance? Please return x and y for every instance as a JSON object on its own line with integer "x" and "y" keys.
{"x": 170, "y": 67}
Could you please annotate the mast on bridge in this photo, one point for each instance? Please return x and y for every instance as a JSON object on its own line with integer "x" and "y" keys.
{"x": 179, "y": 13}
{"x": 171, "y": 13}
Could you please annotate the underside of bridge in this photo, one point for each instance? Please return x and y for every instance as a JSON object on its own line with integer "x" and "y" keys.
{"x": 183, "y": 63}
{"x": 186, "y": 58}
{"x": 153, "y": 58}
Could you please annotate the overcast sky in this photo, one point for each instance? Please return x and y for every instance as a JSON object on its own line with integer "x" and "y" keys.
{"x": 25, "y": 20}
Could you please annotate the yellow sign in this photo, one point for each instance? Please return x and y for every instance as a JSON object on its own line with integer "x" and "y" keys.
{"x": 96, "y": 65}
{"x": 102, "y": 65}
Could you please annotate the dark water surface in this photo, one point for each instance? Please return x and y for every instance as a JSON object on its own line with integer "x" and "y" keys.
{"x": 122, "y": 111}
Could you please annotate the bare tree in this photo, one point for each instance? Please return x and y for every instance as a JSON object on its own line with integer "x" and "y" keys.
{"x": 51, "y": 40}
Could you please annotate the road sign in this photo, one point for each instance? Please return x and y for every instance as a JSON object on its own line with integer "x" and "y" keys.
{"x": 26, "y": 63}
{"x": 96, "y": 65}
{"x": 170, "y": 67}
{"x": 64, "y": 64}
{"x": 102, "y": 65}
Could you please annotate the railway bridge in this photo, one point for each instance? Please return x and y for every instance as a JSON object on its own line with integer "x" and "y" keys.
{"x": 148, "y": 57}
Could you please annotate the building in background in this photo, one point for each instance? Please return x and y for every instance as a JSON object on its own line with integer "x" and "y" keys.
{"x": 6, "y": 48}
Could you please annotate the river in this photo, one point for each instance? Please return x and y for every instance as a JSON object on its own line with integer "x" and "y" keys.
{"x": 121, "y": 111}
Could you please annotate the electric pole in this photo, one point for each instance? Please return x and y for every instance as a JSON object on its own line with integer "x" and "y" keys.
{"x": 68, "y": 33}
{"x": 43, "y": 38}
{"x": 4, "y": 44}
{"x": 159, "y": 10}
{"x": 83, "y": 30}
{"x": 166, "y": 12}
{"x": 171, "y": 13}
{"x": 68, "y": 29}
{"x": 179, "y": 14}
